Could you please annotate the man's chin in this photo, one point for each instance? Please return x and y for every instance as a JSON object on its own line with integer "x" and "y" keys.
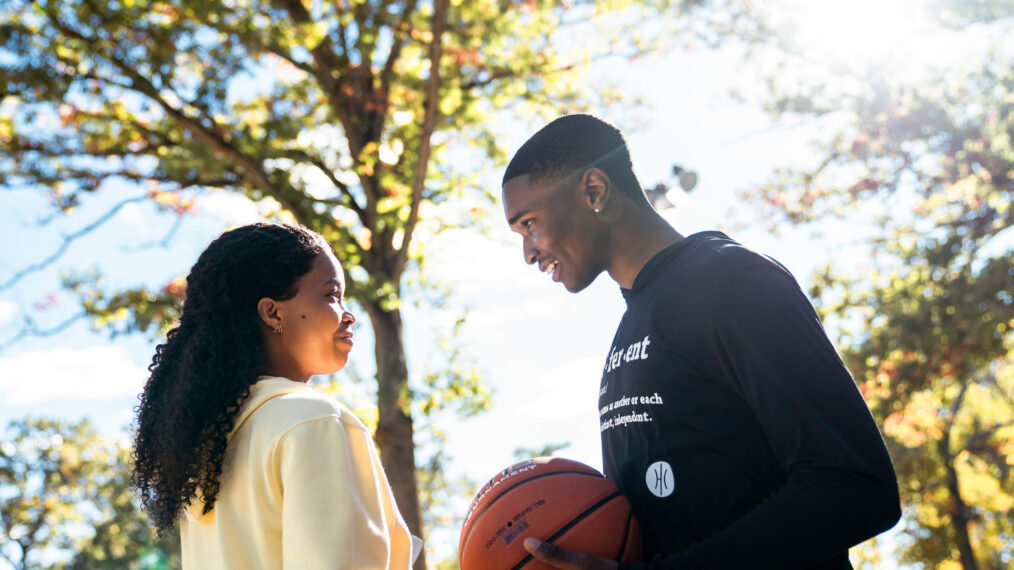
{"x": 577, "y": 287}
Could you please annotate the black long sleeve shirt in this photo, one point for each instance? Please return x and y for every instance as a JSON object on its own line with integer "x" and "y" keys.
{"x": 730, "y": 422}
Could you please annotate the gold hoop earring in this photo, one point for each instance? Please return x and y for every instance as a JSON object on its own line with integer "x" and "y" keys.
{"x": 277, "y": 329}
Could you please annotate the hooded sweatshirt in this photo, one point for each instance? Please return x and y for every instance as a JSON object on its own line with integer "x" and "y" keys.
{"x": 731, "y": 423}
{"x": 301, "y": 487}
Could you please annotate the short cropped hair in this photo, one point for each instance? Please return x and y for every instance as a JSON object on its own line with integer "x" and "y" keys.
{"x": 572, "y": 144}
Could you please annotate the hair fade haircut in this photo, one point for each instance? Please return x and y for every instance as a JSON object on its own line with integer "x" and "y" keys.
{"x": 571, "y": 145}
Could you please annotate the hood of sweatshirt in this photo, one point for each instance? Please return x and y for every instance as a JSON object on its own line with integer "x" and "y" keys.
{"x": 266, "y": 388}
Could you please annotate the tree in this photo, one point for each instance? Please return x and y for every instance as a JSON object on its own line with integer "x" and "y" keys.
{"x": 923, "y": 173}
{"x": 355, "y": 125}
{"x": 56, "y": 481}
{"x": 123, "y": 537}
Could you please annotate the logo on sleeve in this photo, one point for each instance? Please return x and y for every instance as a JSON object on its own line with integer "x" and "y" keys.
{"x": 660, "y": 479}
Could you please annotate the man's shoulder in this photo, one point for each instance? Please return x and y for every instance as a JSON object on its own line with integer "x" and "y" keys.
{"x": 711, "y": 260}
{"x": 720, "y": 252}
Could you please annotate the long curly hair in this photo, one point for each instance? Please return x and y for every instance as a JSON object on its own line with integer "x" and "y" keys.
{"x": 203, "y": 371}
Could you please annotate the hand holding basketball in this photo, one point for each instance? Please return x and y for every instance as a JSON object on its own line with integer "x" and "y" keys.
{"x": 576, "y": 515}
{"x": 566, "y": 559}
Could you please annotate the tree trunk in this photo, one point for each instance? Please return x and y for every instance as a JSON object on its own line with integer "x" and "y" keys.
{"x": 961, "y": 520}
{"x": 959, "y": 514}
{"x": 394, "y": 426}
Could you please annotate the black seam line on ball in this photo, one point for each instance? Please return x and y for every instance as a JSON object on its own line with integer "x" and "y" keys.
{"x": 480, "y": 514}
{"x": 568, "y": 526}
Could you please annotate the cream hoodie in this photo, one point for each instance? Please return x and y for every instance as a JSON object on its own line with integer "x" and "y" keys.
{"x": 301, "y": 487}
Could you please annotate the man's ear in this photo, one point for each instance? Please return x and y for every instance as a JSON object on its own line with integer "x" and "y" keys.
{"x": 596, "y": 189}
{"x": 267, "y": 309}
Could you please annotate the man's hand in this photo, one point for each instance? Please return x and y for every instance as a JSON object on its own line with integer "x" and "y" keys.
{"x": 566, "y": 559}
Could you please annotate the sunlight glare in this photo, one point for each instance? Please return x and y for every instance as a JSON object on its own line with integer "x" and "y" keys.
{"x": 862, "y": 33}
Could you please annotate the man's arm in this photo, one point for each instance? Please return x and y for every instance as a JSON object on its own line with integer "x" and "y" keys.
{"x": 841, "y": 488}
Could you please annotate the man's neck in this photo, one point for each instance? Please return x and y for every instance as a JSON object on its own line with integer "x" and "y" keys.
{"x": 636, "y": 239}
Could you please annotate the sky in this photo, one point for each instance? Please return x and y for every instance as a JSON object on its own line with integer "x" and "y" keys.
{"x": 539, "y": 347}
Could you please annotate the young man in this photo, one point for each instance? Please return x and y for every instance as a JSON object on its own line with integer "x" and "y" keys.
{"x": 727, "y": 418}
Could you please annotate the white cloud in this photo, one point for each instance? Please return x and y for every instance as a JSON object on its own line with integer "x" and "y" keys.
{"x": 8, "y": 309}
{"x": 94, "y": 373}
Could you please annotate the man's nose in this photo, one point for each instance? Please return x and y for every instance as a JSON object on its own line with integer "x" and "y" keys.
{"x": 530, "y": 253}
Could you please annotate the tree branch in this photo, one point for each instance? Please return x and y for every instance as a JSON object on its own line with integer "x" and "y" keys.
{"x": 429, "y": 123}
{"x": 955, "y": 408}
{"x": 164, "y": 242}
{"x": 29, "y": 329}
{"x": 400, "y": 33}
{"x": 249, "y": 43}
{"x": 1003, "y": 393}
{"x": 326, "y": 72}
{"x": 8, "y": 560}
{"x": 329, "y": 74}
{"x": 67, "y": 240}
{"x": 386, "y": 74}
{"x": 143, "y": 86}
{"x": 163, "y": 137}
{"x": 505, "y": 72}
{"x": 321, "y": 166}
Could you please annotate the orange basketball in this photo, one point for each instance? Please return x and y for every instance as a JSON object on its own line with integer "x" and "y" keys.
{"x": 553, "y": 499}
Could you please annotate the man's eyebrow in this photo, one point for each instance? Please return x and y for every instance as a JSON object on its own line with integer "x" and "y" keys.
{"x": 515, "y": 217}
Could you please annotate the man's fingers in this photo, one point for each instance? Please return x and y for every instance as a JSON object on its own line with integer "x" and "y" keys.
{"x": 549, "y": 553}
{"x": 566, "y": 559}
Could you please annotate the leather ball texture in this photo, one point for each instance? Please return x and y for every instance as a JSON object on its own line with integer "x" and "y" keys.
{"x": 553, "y": 499}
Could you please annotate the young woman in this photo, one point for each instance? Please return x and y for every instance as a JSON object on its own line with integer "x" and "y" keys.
{"x": 261, "y": 470}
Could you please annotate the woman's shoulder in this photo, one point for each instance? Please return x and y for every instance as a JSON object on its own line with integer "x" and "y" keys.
{"x": 279, "y": 404}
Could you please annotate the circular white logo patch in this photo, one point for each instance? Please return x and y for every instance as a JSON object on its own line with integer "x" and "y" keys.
{"x": 660, "y": 479}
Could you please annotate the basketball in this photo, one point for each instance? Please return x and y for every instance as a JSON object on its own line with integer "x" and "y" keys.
{"x": 553, "y": 499}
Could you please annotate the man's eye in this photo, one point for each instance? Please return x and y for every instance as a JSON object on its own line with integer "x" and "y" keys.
{"x": 527, "y": 224}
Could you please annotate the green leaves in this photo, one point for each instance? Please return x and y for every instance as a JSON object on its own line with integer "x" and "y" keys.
{"x": 925, "y": 170}
{"x": 63, "y": 489}
{"x": 131, "y": 311}
{"x": 320, "y": 110}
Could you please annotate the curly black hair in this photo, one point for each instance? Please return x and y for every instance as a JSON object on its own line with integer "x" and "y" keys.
{"x": 203, "y": 371}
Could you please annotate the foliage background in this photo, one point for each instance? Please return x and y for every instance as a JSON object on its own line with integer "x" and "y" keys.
{"x": 895, "y": 217}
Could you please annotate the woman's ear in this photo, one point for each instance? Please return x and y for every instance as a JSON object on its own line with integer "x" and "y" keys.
{"x": 596, "y": 188}
{"x": 267, "y": 309}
